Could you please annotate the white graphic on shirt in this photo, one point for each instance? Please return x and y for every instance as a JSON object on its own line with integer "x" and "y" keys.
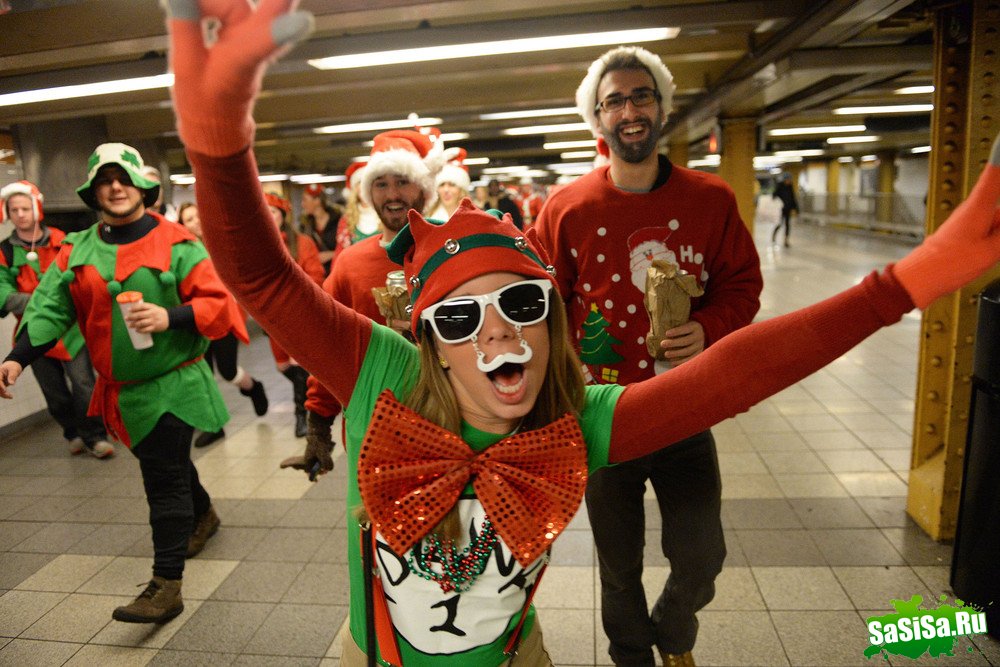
{"x": 435, "y": 622}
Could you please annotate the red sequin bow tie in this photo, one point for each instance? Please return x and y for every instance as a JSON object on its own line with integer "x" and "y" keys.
{"x": 411, "y": 472}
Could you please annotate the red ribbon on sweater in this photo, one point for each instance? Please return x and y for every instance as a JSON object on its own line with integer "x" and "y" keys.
{"x": 411, "y": 473}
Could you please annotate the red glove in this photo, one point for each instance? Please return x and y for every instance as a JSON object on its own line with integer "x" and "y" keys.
{"x": 215, "y": 86}
{"x": 963, "y": 248}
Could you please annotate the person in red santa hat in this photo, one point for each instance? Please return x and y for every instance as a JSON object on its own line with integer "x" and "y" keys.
{"x": 452, "y": 186}
{"x": 65, "y": 374}
{"x": 359, "y": 221}
{"x": 528, "y": 201}
{"x": 443, "y": 571}
{"x": 304, "y": 252}
{"x": 604, "y": 230}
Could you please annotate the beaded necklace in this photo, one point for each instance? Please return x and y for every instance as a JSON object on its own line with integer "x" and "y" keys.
{"x": 458, "y": 571}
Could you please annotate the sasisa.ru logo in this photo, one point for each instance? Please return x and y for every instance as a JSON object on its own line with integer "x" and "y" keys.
{"x": 913, "y": 631}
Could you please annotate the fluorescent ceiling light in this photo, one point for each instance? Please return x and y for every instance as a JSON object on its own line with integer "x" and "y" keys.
{"x": 182, "y": 179}
{"x": 570, "y": 155}
{"x": 272, "y": 178}
{"x": 892, "y": 108}
{"x": 87, "y": 90}
{"x": 914, "y": 90}
{"x": 869, "y": 158}
{"x": 476, "y": 160}
{"x": 569, "y": 166}
{"x": 506, "y": 170}
{"x": 861, "y": 139}
{"x": 317, "y": 178}
{"x": 846, "y": 158}
{"x": 361, "y": 158}
{"x": 806, "y": 152}
{"x": 529, "y": 113}
{"x": 377, "y": 125}
{"x": 703, "y": 162}
{"x": 495, "y": 48}
{"x": 533, "y": 173}
{"x": 921, "y": 149}
{"x": 563, "y": 145}
{"x": 547, "y": 129}
{"x": 768, "y": 161}
{"x": 822, "y": 129}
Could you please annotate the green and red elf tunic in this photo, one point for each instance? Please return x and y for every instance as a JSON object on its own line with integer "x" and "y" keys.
{"x": 20, "y": 274}
{"x": 136, "y": 387}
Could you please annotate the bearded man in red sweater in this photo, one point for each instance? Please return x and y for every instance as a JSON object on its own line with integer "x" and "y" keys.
{"x": 603, "y": 231}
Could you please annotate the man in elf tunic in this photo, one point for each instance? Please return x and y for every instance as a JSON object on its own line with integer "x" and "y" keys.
{"x": 151, "y": 399}
{"x": 24, "y": 256}
{"x": 603, "y": 232}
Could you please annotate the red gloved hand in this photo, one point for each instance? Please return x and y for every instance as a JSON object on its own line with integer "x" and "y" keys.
{"x": 215, "y": 86}
{"x": 963, "y": 248}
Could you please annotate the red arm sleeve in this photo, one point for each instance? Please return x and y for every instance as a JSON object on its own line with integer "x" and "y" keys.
{"x": 215, "y": 311}
{"x": 309, "y": 259}
{"x": 732, "y": 295}
{"x": 751, "y": 364}
{"x": 288, "y": 304}
{"x": 318, "y": 398}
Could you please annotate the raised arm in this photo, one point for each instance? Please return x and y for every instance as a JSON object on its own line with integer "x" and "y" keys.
{"x": 746, "y": 367}
{"x": 214, "y": 91}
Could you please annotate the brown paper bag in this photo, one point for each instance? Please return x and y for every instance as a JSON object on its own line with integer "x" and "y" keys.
{"x": 392, "y": 302}
{"x": 668, "y": 301}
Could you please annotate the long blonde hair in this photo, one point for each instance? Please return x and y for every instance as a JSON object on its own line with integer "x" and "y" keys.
{"x": 562, "y": 392}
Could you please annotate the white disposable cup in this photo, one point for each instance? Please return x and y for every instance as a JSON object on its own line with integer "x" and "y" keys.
{"x": 140, "y": 341}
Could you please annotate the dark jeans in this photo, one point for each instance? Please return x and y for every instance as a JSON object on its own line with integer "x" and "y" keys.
{"x": 173, "y": 491}
{"x": 786, "y": 221}
{"x": 67, "y": 387}
{"x": 222, "y": 354}
{"x": 685, "y": 478}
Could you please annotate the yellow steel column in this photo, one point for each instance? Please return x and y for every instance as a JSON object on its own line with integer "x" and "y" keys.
{"x": 886, "y": 185}
{"x": 739, "y": 144}
{"x": 678, "y": 152}
{"x": 964, "y": 124}
{"x": 833, "y": 187}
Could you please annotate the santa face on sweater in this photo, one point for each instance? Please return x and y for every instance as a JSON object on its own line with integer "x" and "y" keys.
{"x": 651, "y": 243}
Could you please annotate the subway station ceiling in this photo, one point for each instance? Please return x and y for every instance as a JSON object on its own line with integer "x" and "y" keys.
{"x": 787, "y": 63}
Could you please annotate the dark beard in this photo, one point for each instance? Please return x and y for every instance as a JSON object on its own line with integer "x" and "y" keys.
{"x": 631, "y": 153}
{"x": 122, "y": 216}
{"x": 394, "y": 225}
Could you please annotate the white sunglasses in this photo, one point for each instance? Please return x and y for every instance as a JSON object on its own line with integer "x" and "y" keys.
{"x": 458, "y": 319}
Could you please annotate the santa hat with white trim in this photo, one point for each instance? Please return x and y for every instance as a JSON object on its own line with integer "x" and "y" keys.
{"x": 353, "y": 175}
{"x": 455, "y": 172}
{"x": 586, "y": 94}
{"x": 27, "y": 189}
{"x": 401, "y": 152}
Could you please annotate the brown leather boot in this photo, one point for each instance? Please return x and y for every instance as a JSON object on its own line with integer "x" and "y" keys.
{"x": 208, "y": 524}
{"x": 160, "y": 602}
{"x": 677, "y": 659}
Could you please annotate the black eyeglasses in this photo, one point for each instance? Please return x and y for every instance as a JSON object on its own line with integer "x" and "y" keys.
{"x": 459, "y": 319}
{"x": 640, "y": 98}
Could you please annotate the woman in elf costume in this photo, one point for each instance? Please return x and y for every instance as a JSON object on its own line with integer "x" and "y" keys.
{"x": 468, "y": 454}
{"x": 151, "y": 393}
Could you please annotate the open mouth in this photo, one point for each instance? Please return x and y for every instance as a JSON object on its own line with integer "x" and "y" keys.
{"x": 508, "y": 379}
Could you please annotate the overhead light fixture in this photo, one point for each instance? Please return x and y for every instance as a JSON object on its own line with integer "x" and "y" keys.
{"x": 806, "y": 152}
{"x": 506, "y": 170}
{"x": 563, "y": 145}
{"x": 707, "y": 161}
{"x": 317, "y": 178}
{"x": 914, "y": 90}
{"x": 361, "y": 158}
{"x": 820, "y": 129}
{"x": 845, "y": 159}
{"x": 768, "y": 161}
{"x": 476, "y": 160}
{"x": 377, "y": 125}
{"x": 564, "y": 166}
{"x": 570, "y": 155}
{"x": 546, "y": 129}
{"x": 869, "y": 158}
{"x": 272, "y": 178}
{"x": 495, "y": 48}
{"x": 528, "y": 113}
{"x": 892, "y": 108}
{"x": 921, "y": 149}
{"x": 87, "y": 90}
{"x": 860, "y": 139}
{"x": 182, "y": 179}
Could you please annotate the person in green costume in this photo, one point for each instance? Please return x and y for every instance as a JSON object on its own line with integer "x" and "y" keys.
{"x": 152, "y": 398}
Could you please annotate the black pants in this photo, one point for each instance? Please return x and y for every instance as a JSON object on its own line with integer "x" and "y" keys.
{"x": 68, "y": 404}
{"x": 221, "y": 354}
{"x": 685, "y": 477}
{"x": 173, "y": 491}
{"x": 786, "y": 221}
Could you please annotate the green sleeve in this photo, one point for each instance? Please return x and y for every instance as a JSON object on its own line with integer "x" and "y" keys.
{"x": 185, "y": 256}
{"x": 596, "y": 422}
{"x": 50, "y": 310}
{"x": 8, "y": 285}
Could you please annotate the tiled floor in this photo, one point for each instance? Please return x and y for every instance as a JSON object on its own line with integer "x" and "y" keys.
{"x": 814, "y": 494}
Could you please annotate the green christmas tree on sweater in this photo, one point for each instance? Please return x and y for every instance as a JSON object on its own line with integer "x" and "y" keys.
{"x": 595, "y": 347}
